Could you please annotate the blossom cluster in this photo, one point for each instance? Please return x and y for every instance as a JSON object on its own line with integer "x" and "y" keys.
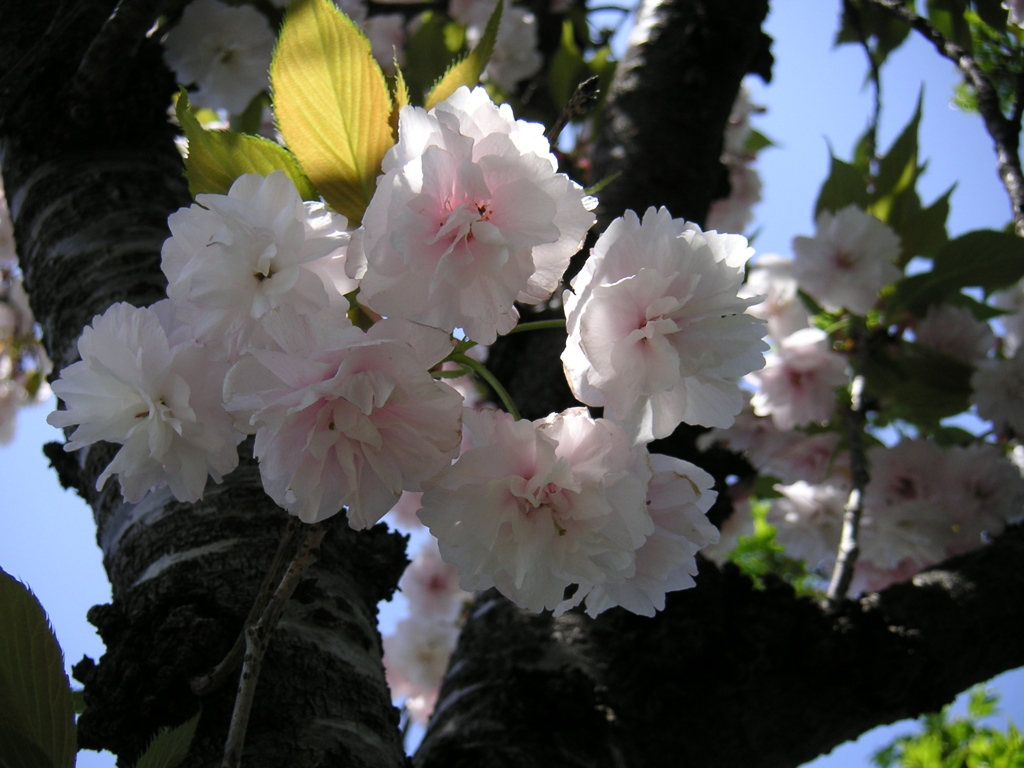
{"x": 470, "y": 219}
{"x": 925, "y": 501}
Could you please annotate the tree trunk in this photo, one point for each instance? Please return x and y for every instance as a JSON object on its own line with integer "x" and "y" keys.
{"x": 91, "y": 176}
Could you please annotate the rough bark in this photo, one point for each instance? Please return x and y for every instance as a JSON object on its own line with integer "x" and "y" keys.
{"x": 91, "y": 174}
{"x": 728, "y": 675}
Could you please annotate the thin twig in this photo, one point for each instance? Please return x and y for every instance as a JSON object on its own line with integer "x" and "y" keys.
{"x": 582, "y": 101}
{"x": 856, "y": 419}
{"x": 853, "y": 14}
{"x": 1000, "y": 128}
{"x": 213, "y": 680}
{"x": 257, "y": 637}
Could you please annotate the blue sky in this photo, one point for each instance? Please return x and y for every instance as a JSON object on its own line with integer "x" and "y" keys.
{"x": 816, "y": 100}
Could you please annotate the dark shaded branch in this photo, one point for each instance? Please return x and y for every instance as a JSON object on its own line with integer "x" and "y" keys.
{"x": 670, "y": 101}
{"x": 728, "y": 675}
{"x": 1005, "y": 132}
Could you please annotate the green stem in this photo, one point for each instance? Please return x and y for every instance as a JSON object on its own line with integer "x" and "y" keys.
{"x": 537, "y": 325}
{"x": 481, "y": 370}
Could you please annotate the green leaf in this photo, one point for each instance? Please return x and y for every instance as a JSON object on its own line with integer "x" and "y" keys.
{"x": 332, "y": 103}
{"x": 35, "y": 696}
{"x": 757, "y": 141}
{"x": 883, "y": 32}
{"x": 991, "y": 12}
{"x": 922, "y": 232}
{"x": 567, "y": 67}
{"x": 917, "y": 384}
{"x": 217, "y": 158}
{"x": 17, "y": 751}
{"x": 947, "y": 16}
{"x": 78, "y": 700}
{"x": 430, "y": 50}
{"x": 985, "y": 259}
{"x": 845, "y": 185}
{"x": 170, "y": 746}
{"x": 898, "y": 169}
{"x": 467, "y": 72}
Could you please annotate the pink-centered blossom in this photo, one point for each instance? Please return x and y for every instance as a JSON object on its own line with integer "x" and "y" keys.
{"x": 657, "y": 333}
{"x": 850, "y": 259}
{"x": 233, "y": 258}
{"x": 345, "y": 417}
{"x": 797, "y": 385}
{"x": 536, "y": 507}
{"x": 161, "y": 401}
{"x": 432, "y": 586}
{"x": 469, "y": 217}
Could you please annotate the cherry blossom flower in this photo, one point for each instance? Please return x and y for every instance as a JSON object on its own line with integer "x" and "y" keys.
{"x": 469, "y": 217}
{"x": 515, "y": 56}
{"x": 1016, "y": 9}
{"x": 432, "y": 586}
{"x": 848, "y": 261}
{"x": 224, "y": 49}
{"x": 771, "y": 276}
{"x": 232, "y": 258}
{"x": 738, "y": 525}
{"x": 161, "y": 401}
{"x": 657, "y": 332}
{"x": 415, "y": 659}
{"x": 536, "y": 507}
{"x": 956, "y": 332}
{"x": 735, "y": 212}
{"x": 1012, "y": 301}
{"x": 998, "y": 393}
{"x": 808, "y": 520}
{"x": 678, "y": 499}
{"x": 345, "y": 417}
{"x": 797, "y": 385}
{"x": 386, "y": 33}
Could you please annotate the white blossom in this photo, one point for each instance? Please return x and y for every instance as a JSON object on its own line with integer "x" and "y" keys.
{"x": 998, "y": 393}
{"x": 848, "y": 261}
{"x": 1016, "y": 9}
{"x": 1012, "y": 301}
{"x": 808, "y": 520}
{"x": 160, "y": 401}
{"x": 657, "y": 333}
{"x": 956, "y": 332}
{"x": 771, "y": 276}
{"x": 415, "y": 659}
{"x": 233, "y": 258}
{"x": 735, "y": 212}
{"x": 224, "y": 49}
{"x": 386, "y": 33}
{"x": 345, "y": 417}
{"x": 797, "y": 385}
{"x": 678, "y": 499}
{"x": 515, "y": 56}
{"x": 536, "y": 507}
{"x": 469, "y": 217}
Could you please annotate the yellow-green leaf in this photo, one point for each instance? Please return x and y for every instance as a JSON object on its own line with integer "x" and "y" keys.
{"x": 332, "y": 103}
{"x": 216, "y": 158}
{"x": 400, "y": 94}
{"x": 467, "y": 72}
{"x": 35, "y": 696}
